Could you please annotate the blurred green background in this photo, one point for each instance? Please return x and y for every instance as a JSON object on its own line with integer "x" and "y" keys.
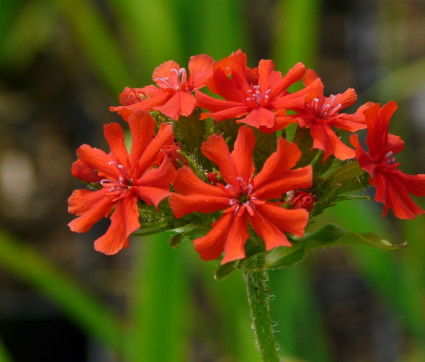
{"x": 64, "y": 62}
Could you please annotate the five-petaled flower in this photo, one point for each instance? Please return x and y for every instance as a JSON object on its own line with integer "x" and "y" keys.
{"x": 320, "y": 114}
{"x": 266, "y": 205}
{"x": 256, "y": 96}
{"x": 245, "y": 197}
{"x": 123, "y": 179}
{"x": 173, "y": 94}
{"x": 392, "y": 186}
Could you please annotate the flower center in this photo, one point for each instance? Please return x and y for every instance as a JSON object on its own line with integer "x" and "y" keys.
{"x": 243, "y": 198}
{"x": 325, "y": 107}
{"x": 255, "y": 97}
{"x": 177, "y": 81}
{"x": 389, "y": 160}
{"x": 124, "y": 181}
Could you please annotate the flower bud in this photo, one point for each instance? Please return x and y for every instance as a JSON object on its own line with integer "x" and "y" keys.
{"x": 213, "y": 178}
{"x": 171, "y": 152}
{"x": 303, "y": 200}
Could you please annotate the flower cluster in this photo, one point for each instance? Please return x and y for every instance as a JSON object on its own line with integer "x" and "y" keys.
{"x": 222, "y": 169}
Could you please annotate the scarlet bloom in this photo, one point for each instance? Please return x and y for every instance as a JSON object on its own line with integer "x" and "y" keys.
{"x": 255, "y": 96}
{"x": 172, "y": 152}
{"x": 173, "y": 94}
{"x": 303, "y": 200}
{"x": 123, "y": 179}
{"x": 243, "y": 198}
{"x": 320, "y": 114}
{"x": 392, "y": 186}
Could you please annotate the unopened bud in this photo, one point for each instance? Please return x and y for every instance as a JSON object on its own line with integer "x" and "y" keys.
{"x": 303, "y": 200}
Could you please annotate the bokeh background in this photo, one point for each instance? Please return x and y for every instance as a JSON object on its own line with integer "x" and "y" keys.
{"x": 64, "y": 62}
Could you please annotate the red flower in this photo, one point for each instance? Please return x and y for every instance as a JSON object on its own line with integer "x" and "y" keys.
{"x": 244, "y": 197}
{"x": 253, "y": 95}
{"x": 173, "y": 96}
{"x": 392, "y": 186}
{"x": 171, "y": 151}
{"x": 124, "y": 178}
{"x": 303, "y": 200}
{"x": 320, "y": 114}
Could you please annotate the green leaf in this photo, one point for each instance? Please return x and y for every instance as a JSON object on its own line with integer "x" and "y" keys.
{"x": 283, "y": 257}
{"x": 348, "y": 177}
{"x": 178, "y": 234}
{"x": 225, "y": 269}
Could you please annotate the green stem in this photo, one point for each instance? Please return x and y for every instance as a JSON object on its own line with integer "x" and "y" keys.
{"x": 259, "y": 305}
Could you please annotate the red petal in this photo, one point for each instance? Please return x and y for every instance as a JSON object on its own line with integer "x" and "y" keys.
{"x": 346, "y": 99}
{"x": 159, "y": 177}
{"x": 325, "y": 139}
{"x": 286, "y": 156}
{"x": 147, "y": 104}
{"x": 291, "y": 221}
{"x": 222, "y": 85}
{"x": 267, "y": 75}
{"x": 134, "y": 95}
{"x": 181, "y": 103}
{"x": 124, "y": 221}
{"x": 211, "y": 245}
{"x": 142, "y": 127}
{"x": 115, "y": 137}
{"x": 98, "y": 160}
{"x": 164, "y": 137}
{"x": 214, "y": 104}
{"x": 309, "y": 77}
{"x": 216, "y": 150}
{"x": 414, "y": 184}
{"x": 298, "y": 99}
{"x": 84, "y": 172}
{"x": 393, "y": 194}
{"x": 300, "y": 178}
{"x": 152, "y": 195}
{"x": 234, "y": 66}
{"x": 269, "y": 232}
{"x": 294, "y": 75}
{"x": 377, "y": 121}
{"x": 229, "y": 113}
{"x": 196, "y": 195}
{"x": 165, "y": 70}
{"x": 91, "y": 206}
{"x": 259, "y": 117}
{"x": 395, "y": 143}
{"x": 200, "y": 70}
{"x": 281, "y": 121}
{"x": 242, "y": 153}
{"x": 187, "y": 204}
{"x": 366, "y": 162}
{"x": 187, "y": 183}
{"x": 236, "y": 238}
{"x": 351, "y": 122}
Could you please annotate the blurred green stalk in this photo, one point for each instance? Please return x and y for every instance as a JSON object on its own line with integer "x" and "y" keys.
{"x": 84, "y": 310}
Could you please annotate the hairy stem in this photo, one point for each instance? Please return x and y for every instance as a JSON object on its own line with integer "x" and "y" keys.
{"x": 259, "y": 305}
